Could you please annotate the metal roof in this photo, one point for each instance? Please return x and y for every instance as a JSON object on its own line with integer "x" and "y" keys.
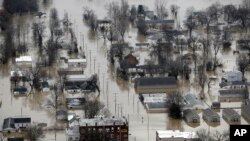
{"x": 155, "y": 81}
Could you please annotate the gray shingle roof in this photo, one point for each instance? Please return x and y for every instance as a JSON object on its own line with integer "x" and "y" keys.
{"x": 230, "y": 113}
{"x": 156, "y": 81}
{"x": 210, "y": 113}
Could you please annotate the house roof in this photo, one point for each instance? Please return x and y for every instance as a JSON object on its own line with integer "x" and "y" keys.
{"x": 45, "y": 84}
{"x": 76, "y": 101}
{"x": 157, "y": 105}
{"x": 77, "y": 60}
{"x": 24, "y": 59}
{"x": 164, "y": 134}
{"x": 22, "y": 120}
{"x": 231, "y": 113}
{"x": 15, "y": 139}
{"x": 155, "y": 81}
{"x": 159, "y": 21}
{"x": 79, "y": 77}
{"x": 103, "y": 121}
{"x": 192, "y": 100}
{"x": 210, "y": 113}
{"x": 8, "y": 123}
{"x": 20, "y": 89}
{"x": 246, "y": 109}
{"x": 234, "y": 83}
{"x": 234, "y": 92}
{"x": 190, "y": 114}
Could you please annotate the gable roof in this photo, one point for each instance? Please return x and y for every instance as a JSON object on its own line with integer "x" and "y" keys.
{"x": 156, "y": 81}
{"x": 231, "y": 113}
{"x": 8, "y": 123}
{"x": 210, "y": 113}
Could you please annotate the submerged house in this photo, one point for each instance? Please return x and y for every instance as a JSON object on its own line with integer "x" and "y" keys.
{"x": 80, "y": 83}
{"x": 24, "y": 61}
{"x": 245, "y": 109}
{"x": 20, "y": 91}
{"x": 75, "y": 103}
{"x": 210, "y": 116}
{"x": 231, "y": 116}
{"x": 154, "y": 102}
{"x": 155, "y": 84}
{"x": 17, "y": 123}
{"x": 77, "y": 63}
{"x": 190, "y": 116}
{"x": 232, "y": 76}
{"x": 233, "y": 95}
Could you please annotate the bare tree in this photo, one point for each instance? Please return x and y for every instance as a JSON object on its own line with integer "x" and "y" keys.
{"x": 142, "y": 26}
{"x": 161, "y": 10}
{"x": 93, "y": 108}
{"x": 211, "y": 15}
{"x": 35, "y": 133}
{"x": 52, "y": 51}
{"x": 133, "y": 14}
{"x": 204, "y": 135}
{"x": 190, "y": 22}
{"x": 242, "y": 15}
{"x": 8, "y": 49}
{"x": 202, "y": 79}
{"x": 90, "y": 18}
{"x": 174, "y": 10}
{"x": 217, "y": 45}
{"x": 229, "y": 13}
{"x": 54, "y": 21}
{"x": 243, "y": 62}
{"x": 38, "y": 33}
{"x": 175, "y": 100}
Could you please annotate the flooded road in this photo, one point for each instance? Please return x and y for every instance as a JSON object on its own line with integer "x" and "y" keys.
{"x": 142, "y": 126}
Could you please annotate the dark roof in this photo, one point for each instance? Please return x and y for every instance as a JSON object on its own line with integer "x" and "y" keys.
{"x": 230, "y": 113}
{"x": 45, "y": 84}
{"x": 215, "y": 105}
{"x": 20, "y": 89}
{"x": 159, "y": 21}
{"x": 190, "y": 113}
{"x": 234, "y": 83}
{"x": 15, "y": 139}
{"x": 210, "y": 113}
{"x": 8, "y": 123}
{"x": 75, "y": 101}
{"x": 157, "y": 105}
{"x": 22, "y": 120}
{"x": 155, "y": 81}
{"x": 104, "y": 21}
{"x": 234, "y": 91}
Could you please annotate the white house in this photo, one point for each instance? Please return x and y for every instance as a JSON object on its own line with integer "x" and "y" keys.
{"x": 80, "y": 63}
{"x": 14, "y": 124}
{"x": 170, "y": 135}
{"x": 232, "y": 76}
{"x": 73, "y": 133}
{"x": 24, "y": 60}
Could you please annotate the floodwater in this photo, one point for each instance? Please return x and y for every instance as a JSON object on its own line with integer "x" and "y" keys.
{"x": 119, "y": 97}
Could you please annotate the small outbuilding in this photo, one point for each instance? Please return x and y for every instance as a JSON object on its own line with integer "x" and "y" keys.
{"x": 231, "y": 116}
{"x": 190, "y": 116}
{"x": 210, "y": 116}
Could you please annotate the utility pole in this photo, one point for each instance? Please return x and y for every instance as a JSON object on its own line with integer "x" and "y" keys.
{"x": 107, "y": 93}
{"x": 118, "y": 112}
{"x": 115, "y": 103}
{"x": 128, "y": 95}
{"x": 133, "y": 103}
{"x": 94, "y": 64}
{"x": 90, "y": 60}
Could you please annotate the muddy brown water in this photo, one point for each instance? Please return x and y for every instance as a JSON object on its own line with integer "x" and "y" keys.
{"x": 142, "y": 125}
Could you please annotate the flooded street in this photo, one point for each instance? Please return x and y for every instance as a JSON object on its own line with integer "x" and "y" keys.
{"x": 119, "y": 97}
